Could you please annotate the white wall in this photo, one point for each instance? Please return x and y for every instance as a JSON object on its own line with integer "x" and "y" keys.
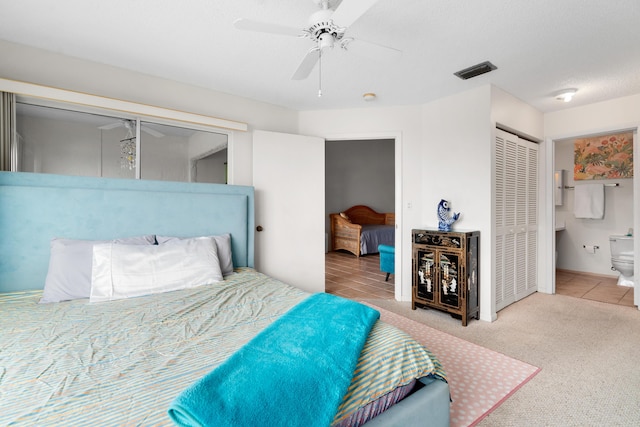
{"x": 514, "y": 114}
{"x": 615, "y": 114}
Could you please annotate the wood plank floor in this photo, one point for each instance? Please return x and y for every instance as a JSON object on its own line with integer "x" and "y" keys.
{"x": 356, "y": 278}
{"x": 361, "y": 278}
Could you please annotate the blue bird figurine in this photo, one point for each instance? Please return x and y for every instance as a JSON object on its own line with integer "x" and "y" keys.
{"x": 444, "y": 220}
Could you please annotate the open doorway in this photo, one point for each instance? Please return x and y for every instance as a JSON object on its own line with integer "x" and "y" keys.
{"x": 359, "y": 172}
{"x": 583, "y": 266}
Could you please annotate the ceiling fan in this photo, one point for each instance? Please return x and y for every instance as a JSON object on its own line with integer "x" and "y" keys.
{"x": 130, "y": 125}
{"x": 325, "y": 28}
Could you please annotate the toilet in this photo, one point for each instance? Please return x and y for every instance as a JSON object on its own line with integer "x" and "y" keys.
{"x": 622, "y": 258}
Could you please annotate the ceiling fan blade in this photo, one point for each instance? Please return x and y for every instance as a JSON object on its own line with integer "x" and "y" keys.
{"x": 371, "y": 50}
{"x": 151, "y": 132}
{"x": 110, "y": 126}
{"x": 266, "y": 27}
{"x": 349, "y": 11}
{"x": 307, "y": 64}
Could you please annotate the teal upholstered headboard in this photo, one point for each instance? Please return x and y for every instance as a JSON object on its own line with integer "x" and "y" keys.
{"x": 34, "y": 208}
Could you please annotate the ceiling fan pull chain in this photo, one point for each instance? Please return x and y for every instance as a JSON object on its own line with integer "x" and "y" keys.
{"x": 319, "y": 73}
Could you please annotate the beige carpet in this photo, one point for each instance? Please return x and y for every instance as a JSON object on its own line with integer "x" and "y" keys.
{"x": 588, "y": 352}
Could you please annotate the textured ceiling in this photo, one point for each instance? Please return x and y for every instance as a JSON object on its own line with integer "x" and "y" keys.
{"x": 538, "y": 46}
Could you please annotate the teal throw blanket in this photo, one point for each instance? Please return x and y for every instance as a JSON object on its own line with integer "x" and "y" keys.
{"x": 293, "y": 373}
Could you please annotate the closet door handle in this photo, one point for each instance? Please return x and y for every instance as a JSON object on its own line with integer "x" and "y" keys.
{"x": 259, "y": 228}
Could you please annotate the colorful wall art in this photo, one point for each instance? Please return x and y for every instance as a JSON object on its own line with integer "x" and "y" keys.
{"x": 604, "y": 157}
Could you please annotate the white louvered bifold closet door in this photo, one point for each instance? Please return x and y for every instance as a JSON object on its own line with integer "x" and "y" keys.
{"x": 516, "y": 192}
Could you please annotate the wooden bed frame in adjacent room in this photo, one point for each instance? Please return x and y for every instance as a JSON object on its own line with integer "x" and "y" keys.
{"x": 347, "y": 227}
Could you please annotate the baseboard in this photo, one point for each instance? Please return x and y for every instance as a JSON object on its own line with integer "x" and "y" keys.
{"x": 585, "y": 273}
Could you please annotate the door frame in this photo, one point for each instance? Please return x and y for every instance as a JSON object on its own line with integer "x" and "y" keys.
{"x": 401, "y": 292}
{"x": 547, "y": 249}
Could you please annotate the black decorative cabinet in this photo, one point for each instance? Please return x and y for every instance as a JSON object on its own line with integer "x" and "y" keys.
{"x": 446, "y": 272}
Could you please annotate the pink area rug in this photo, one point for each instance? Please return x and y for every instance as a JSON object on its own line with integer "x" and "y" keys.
{"x": 479, "y": 379}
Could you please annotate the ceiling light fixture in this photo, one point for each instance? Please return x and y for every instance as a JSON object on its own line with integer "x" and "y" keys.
{"x": 369, "y": 96}
{"x": 566, "y": 95}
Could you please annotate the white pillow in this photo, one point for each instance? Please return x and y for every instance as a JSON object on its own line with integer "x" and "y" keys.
{"x": 124, "y": 271}
{"x": 223, "y": 244}
{"x": 69, "y": 274}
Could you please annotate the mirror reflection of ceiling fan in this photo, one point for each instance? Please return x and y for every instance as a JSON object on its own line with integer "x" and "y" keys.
{"x": 325, "y": 28}
{"x": 130, "y": 125}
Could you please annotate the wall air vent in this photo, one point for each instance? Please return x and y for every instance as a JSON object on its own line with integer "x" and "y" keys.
{"x": 475, "y": 70}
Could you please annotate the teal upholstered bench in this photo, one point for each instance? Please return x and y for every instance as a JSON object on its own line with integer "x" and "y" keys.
{"x": 387, "y": 259}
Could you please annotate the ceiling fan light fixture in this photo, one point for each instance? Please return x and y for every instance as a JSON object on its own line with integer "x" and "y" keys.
{"x": 369, "y": 96}
{"x": 326, "y": 27}
{"x": 566, "y": 95}
{"x": 325, "y": 40}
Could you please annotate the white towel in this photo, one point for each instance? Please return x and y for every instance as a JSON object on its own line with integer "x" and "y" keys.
{"x": 589, "y": 201}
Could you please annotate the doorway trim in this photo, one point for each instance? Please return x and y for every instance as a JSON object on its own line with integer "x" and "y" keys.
{"x": 401, "y": 292}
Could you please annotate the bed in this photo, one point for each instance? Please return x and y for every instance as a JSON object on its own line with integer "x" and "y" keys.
{"x": 360, "y": 230}
{"x": 127, "y": 360}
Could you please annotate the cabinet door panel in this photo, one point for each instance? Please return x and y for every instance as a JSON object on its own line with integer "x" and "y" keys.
{"x": 450, "y": 277}
{"x": 426, "y": 274}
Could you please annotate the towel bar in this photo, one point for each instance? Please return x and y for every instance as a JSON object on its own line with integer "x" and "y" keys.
{"x": 615, "y": 184}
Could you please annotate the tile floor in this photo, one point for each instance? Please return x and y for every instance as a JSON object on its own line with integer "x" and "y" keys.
{"x": 361, "y": 278}
{"x": 593, "y": 287}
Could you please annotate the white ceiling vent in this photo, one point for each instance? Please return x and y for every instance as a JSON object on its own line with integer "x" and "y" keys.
{"x": 475, "y": 70}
